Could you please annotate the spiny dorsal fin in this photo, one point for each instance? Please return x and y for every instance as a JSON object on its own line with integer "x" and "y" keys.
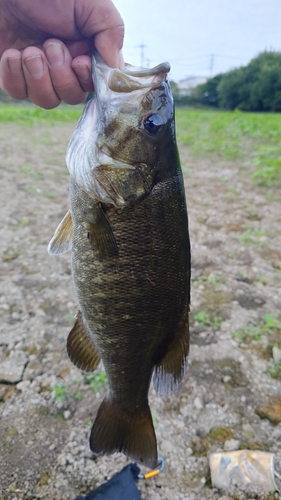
{"x": 100, "y": 234}
{"x": 170, "y": 370}
{"x": 80, "y": 347}
{"x": 62, "y": 240}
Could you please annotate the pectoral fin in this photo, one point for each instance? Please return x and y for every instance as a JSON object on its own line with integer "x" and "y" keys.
{"x": 100, "y": 233}
{"x": 62, "y": 240}
{"x": 80, "y": 347}
{"x": 169, "y": 371}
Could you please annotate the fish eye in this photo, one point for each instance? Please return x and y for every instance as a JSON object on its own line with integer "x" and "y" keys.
{"x": 153, "y": 123}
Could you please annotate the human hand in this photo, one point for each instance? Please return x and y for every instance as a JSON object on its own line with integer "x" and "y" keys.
{"x": 45, "y": 47}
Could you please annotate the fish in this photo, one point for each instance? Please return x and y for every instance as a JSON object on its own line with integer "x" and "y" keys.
{"x": 127, "y": 228}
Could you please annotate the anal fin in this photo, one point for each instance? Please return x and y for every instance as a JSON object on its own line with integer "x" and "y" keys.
{"x": 80, "y": 347}
{"x": 169, "y": 371}
{"x": 62, "y": 240}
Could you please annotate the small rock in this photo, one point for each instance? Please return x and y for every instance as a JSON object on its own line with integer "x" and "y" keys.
{"x": 63, "y": 372}
{"x": 15, "y": 316}
{"x": 156, "y": 496}
{"x": 11, "y": 368}
{"x": 188, "y": 452}
{"x": 166, "y": 447}
{"x": 272, "y": 412}
{"x": 66, "y": 415}
{"x": 198, "y": 403}
{"x": 248, "y": 430}
{"x": 277, "y": 432}
{"x": 231, "y": 445}
{"x": 23, "y": 385}
{"x": 226, "y": 379}
{"x": 276, "y": 354}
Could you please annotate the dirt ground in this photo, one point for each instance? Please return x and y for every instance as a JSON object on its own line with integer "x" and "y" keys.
{"x": 230, "y": 397}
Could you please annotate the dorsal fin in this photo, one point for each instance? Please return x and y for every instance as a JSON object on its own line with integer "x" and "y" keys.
{"x": 80, "y": 347}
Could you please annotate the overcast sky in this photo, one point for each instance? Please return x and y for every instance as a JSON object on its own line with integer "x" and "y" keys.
{"x": 199, "y": 37}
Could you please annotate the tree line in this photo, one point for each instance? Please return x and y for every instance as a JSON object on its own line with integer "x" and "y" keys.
{"x": 255, "y": 87}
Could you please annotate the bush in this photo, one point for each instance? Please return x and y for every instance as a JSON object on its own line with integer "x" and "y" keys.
{"x": 256, "y": 87}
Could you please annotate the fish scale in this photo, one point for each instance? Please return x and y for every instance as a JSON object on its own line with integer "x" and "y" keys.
{"x": 130, "y": 253}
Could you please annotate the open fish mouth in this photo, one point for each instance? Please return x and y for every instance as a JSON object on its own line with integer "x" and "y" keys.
{"x": 116, "y": 91}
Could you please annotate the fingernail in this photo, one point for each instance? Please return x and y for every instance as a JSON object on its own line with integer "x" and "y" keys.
{"x": 121, "y": 60}
{"x": 54, "y": 54}
{"x": 14, "y": 64}
{"x": 34, "y": 66}
{"x": 83, "y": 72}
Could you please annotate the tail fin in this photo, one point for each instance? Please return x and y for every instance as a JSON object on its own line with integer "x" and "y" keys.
{"x": 132, "y": 434}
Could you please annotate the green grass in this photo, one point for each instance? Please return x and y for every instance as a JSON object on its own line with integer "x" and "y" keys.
{"x": 97, "y": 381}
{"x": 204, "y": 319}
{"x": 257, "y": 331}
{"x": 33, "y": 115}
{"x": 253, "y": 138}
{"x": 252, "y": 237}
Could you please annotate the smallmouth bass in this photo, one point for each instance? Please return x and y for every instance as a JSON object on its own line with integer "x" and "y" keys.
{"x": 128, "y": 229}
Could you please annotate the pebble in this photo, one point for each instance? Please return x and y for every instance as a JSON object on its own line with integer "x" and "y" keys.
{"x": 166, "y": 447}
{"x": 198, "y": 403}
{"x": 15, "y": 316}
{"x": 66, "y": 415}
{"x": 11, "y": 368}
{"x": 226, "y": 379}
{"x": 231, "y": 445}
{"x": 23, "y": 385}
{"x": 248, "y": 430}
{"x": 276, "y": 354}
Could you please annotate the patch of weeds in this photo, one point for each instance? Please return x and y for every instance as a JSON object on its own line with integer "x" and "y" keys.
{"x": 19, "y": 225}
{"x": 251, "y": 212}
{"x": 29, "y": 171}
{"x": 34, "y": 190}
{"x": 44, "y": 479}
{"x": 204, "y": 319}
{"x": 234, "y": 192}
{"x": 213, "y": 279}
{"x": 221, "y": 434}
{"x": 60, "y": 392}
{"x": 262, "y": 279}
{"x": 268, "y": 163}
{"x": 252, "y": 237}
{"x": 76, "y": 395}
{"x": 97, "y": 381}
{"x": 275, "y": 371}
{"x": 257, "y": 331}
{"x": 10, "y": 254}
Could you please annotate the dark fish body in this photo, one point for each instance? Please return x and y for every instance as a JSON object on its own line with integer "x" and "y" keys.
{"x": 131, "y": 269}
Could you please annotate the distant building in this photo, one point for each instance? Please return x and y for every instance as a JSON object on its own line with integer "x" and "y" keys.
{"x": 190, "y": 82}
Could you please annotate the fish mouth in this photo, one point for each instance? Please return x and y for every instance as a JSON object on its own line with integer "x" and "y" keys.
{"x": 127, "y": 80}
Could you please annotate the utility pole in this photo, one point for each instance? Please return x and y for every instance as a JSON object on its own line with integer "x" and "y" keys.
{"x": 212, "y": 65}
{"x": 142, "y": 47}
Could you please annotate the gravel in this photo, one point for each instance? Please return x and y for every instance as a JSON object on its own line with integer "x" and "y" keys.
{"x": 47, "y": 406}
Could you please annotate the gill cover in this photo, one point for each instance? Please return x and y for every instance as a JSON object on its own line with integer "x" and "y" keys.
{"x": 115, "y": 90}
